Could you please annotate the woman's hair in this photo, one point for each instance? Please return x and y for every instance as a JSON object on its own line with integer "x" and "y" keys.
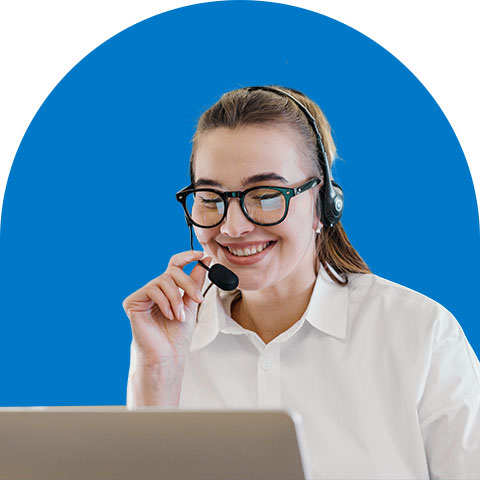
{"x": 261, "y": 107}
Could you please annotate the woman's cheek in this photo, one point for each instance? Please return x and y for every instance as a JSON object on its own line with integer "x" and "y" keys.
{"x": 205, "y": 239}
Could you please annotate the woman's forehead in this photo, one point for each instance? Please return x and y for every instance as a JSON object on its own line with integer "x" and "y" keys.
{"x": 248, "y": 151}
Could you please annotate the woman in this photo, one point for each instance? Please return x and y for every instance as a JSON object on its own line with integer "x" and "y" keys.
{"x": 384, "y": 378}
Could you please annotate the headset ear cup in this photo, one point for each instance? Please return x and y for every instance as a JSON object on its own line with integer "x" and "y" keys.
{"x": 332, "y": 205}
{"x": 338, "y": 202}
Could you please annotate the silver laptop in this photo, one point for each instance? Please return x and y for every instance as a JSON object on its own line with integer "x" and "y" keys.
{"x": 100, "y": 443}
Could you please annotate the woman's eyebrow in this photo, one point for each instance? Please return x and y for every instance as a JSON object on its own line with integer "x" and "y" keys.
{"x": 261, "y": 177}
{"x": 206, "y": 182}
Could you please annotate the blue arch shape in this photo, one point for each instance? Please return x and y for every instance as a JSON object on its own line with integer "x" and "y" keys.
{"x": 89, "y": 213}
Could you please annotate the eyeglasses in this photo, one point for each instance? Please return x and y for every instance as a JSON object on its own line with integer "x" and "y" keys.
{"x": 265, "y": 206}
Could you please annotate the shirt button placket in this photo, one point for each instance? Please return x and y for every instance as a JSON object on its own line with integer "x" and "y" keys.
{"x": 268, "y": 377}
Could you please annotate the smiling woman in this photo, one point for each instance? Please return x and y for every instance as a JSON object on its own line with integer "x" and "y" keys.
{"x": 378, "y": 372}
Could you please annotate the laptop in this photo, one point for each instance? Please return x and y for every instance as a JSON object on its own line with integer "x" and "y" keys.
{"x": 100, "y": 443}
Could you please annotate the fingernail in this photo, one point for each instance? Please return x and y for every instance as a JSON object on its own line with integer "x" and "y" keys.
{"x": 199, "y": 296}
{"x": 182, "y": 314}
{"x": 170, "y": 314}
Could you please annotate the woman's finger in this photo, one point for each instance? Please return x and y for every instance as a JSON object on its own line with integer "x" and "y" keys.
{"x": 170, "y": 289}
{"x": 157, "y": 296}
{"x": 184, "y": 258}
{"x": 186, "y": 283}
{"x": 198, "y": 276}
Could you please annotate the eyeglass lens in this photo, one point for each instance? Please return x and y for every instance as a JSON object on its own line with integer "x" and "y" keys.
{"x": 262, "y": 205}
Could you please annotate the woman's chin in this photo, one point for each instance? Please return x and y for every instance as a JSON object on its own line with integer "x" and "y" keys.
{"x": 251, "y": 282}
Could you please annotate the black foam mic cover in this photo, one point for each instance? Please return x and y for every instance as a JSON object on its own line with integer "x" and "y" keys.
{"x": 222, "y": 277}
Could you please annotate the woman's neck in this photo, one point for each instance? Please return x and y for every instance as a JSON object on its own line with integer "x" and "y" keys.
{"x": 274, "y": 310}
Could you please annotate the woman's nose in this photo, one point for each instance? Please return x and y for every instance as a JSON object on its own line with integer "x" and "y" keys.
{"x": 236, "y": 223}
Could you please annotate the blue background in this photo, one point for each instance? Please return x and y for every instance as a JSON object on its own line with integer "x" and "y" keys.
{"x": 90, "y": 214}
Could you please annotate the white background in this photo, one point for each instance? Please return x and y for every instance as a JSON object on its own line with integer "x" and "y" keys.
{"x": 42, "y": 40}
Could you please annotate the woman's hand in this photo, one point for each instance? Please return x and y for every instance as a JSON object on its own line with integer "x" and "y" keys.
{"x": 161, "y": 318}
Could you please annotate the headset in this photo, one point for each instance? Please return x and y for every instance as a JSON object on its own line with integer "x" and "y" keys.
{"x": 330, "y": 196}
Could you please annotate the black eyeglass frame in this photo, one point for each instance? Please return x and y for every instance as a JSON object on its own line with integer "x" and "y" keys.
{"x": 287, "y": 192}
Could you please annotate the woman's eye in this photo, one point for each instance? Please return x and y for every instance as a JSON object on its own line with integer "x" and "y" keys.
{"x": 266, "y": 196}
{"x": 210, "y": 202}
{"x": 267, "y": 200}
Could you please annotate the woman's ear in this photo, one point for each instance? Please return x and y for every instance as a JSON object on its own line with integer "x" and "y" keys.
{"x": 317, "y": 225}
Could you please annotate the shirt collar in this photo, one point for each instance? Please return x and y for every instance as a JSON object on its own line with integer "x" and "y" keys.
{"x": 327, "y": 311}
{"x": 328, "y": 307}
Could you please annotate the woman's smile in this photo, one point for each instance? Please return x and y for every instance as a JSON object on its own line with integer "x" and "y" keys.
{"x": 247, "y": 253}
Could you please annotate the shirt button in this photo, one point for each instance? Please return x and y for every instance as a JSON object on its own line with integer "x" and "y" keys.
{"x": 265, "y": 365}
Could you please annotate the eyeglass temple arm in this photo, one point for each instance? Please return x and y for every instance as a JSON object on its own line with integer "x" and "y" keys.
{"x": 311, "y": 183}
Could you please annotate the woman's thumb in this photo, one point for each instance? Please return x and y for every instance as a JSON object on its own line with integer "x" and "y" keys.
{"x": 199, "y": 272}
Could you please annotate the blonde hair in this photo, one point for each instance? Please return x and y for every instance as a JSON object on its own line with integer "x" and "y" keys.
{"x": 243, "y": 107}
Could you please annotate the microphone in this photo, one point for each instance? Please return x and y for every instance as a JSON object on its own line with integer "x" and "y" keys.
{"x": 218, "y": 274}
{"x": 221, "y": 276}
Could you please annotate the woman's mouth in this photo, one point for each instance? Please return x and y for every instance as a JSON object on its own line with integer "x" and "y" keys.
{"x": 248, "y": 251}
{"x": 249, "y": 254}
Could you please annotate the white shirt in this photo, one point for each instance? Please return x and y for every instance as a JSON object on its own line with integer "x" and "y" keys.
{"x": 386, "y": 383}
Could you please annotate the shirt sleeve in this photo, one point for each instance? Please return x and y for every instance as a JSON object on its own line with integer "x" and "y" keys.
{"x": 449, "y": 411}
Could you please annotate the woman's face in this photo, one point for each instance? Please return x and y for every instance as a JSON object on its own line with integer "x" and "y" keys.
{"x": 236, "y": 159}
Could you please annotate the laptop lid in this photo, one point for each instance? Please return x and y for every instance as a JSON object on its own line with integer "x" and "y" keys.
{"x": 99, "y": 443}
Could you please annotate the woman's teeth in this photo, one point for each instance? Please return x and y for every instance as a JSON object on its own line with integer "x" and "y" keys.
{"x": 245, "y": 252}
